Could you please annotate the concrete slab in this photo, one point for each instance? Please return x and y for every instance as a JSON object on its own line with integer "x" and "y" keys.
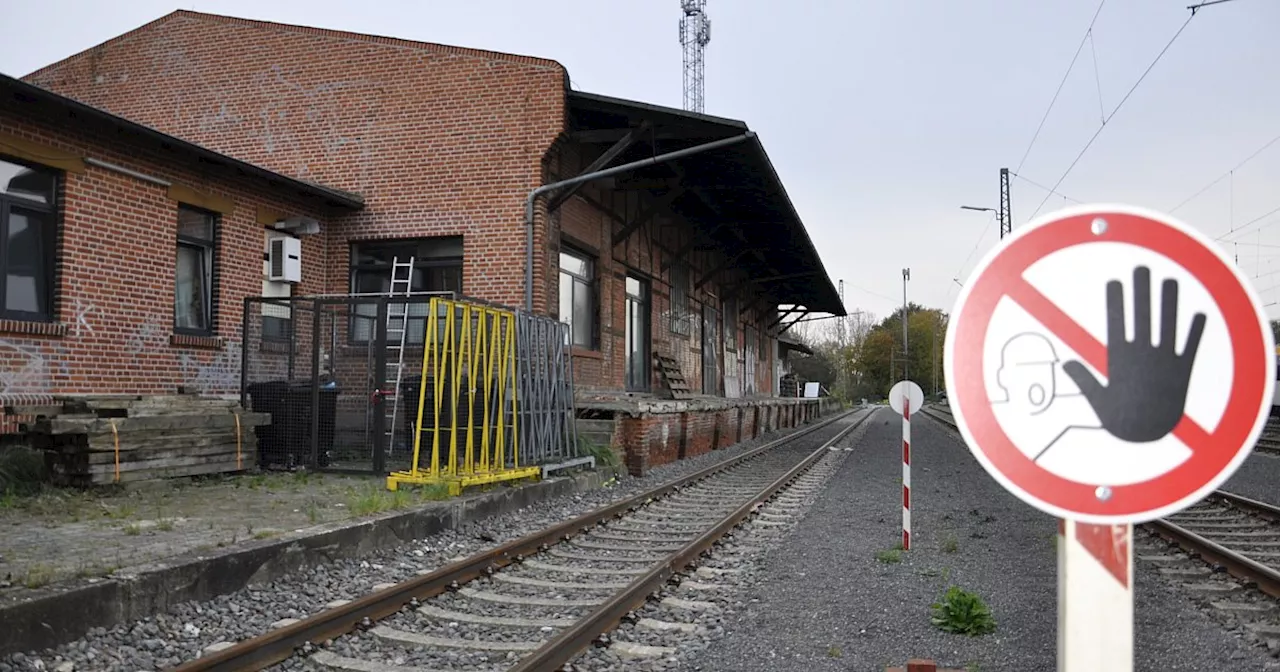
{"x": 79, "y": 561}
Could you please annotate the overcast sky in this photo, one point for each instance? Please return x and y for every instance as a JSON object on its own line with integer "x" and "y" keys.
{"x": 883, "y": 117}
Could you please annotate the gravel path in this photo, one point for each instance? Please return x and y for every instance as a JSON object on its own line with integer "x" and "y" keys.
{"x": 1258, "y": 478}
{"x": 182, "y": 633}
{"x": 826, "y": 602}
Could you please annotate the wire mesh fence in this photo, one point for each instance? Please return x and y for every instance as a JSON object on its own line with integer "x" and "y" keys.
{"x": 344, "y": 397}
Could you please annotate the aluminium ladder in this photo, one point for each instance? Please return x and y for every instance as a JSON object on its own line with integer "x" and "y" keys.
{"x": 397, "y": 328}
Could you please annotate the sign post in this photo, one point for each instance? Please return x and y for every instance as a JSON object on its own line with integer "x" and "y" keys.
{"x": 904, "y": 397}
{"x": 1086, "y": 403}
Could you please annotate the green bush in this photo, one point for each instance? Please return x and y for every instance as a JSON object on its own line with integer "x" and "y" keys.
{"x": 963, "y": 613}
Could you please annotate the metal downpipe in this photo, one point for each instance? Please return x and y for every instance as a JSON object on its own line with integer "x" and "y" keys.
{"x": 606, "y": 172}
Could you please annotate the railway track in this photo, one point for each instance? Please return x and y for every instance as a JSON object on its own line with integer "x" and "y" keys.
{"x": 536, "y": 602}
{"x": 1225, "y": 550}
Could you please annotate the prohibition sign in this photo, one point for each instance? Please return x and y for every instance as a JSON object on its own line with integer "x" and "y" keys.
{"x": 1215, "y": 453}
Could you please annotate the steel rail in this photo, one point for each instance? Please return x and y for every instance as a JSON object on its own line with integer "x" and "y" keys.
{"x": 1266, "y": 578}
{"x": 1261, "y": 509}
{"x": 278, "y": 645}
{"x": 562, "y": 648}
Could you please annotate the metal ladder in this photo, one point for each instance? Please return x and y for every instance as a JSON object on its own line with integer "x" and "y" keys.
{"x": 397, "y": 328}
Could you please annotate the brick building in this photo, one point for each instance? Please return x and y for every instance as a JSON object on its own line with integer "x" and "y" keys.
{"x": 126, "y": 252}
{"x": 685, "y": 259}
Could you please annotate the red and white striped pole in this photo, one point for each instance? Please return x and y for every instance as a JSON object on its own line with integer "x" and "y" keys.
{"x": 906, "y": 472}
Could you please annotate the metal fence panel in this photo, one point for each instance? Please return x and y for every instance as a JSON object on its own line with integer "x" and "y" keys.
{"x": 548, "y": 432}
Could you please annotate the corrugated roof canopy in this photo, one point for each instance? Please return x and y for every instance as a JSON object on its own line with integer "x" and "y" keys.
{"x": 732, "y": 195}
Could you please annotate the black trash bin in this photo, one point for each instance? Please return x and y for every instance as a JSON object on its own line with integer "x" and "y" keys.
{"x": 409, "y": 408}
{"x": 287, "y": 440}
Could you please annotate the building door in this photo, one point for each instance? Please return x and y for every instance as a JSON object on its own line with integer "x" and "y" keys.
{"x": 710, "y": 372}
{"x": 749, "y": 361}
{"x": 639, "y": 372}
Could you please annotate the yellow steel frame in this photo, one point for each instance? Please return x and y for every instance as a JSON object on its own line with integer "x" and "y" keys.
{"x": 477, "y": 342}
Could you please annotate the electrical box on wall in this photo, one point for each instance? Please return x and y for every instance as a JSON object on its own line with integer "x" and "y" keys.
{"x": 284, "y": 260}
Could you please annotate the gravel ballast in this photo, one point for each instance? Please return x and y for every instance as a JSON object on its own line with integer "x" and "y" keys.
{"x": 182, "y": 633}
{"x": 825, "y": 601}
{"x": 1257, "y": 479}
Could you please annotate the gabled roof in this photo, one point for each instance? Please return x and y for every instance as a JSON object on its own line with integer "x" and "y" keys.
{"x": 733, "y": 194}
{"x": 59, "y": 110}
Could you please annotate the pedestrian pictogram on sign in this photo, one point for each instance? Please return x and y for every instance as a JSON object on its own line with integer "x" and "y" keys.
{"x": 1108, "y": 364}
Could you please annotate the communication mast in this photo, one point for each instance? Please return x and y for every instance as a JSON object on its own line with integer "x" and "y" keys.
{"x": 695, "y": 33}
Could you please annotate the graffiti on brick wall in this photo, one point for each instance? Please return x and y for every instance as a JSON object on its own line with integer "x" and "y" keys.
{"x": 218, "y": 375}
{"x": 331, "y": 110}
{"x": 24, "y": 369}
{"x": 149, "y": 336}
{"x": 80, "y": 325}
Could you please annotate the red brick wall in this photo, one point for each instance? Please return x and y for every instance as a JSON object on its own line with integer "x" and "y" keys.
{"x": 654, "y": 439}
{"x": 439, "y": 140}
{"x": 115, "y": 277}
{"x": 585, "y": 222}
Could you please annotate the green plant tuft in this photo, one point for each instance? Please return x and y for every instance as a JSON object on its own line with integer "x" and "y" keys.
{"x": 963, "y": 613}
{"x": 889, "y": 555}
{"x": 606, "y": 459}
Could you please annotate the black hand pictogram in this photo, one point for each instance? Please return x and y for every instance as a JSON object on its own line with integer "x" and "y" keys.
{"x": 1146, "y": 384}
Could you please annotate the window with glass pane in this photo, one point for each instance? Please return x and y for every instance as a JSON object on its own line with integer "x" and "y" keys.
{"x": 437, "y": 268}
{"x": 193, "y": 282}
{"x": 27, "y": 222}
{"x": 637, "y": 335}
{"x": 577, "y": 307}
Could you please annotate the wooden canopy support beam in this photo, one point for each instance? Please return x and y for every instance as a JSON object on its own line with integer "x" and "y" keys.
{"x": 784, "y": 316}
{"x": 623, "y": 144}
{"x": 790, "y": 324}
{"x": 662, "y": 203}
{"x": 726, "y": 261}
{"x": 698, "y": 241}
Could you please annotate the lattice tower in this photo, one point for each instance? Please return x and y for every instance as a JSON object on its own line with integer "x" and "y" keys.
{"x": 695, "y": 33}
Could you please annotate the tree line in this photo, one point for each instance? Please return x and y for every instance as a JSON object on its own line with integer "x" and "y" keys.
{"x": 857, "y": 357}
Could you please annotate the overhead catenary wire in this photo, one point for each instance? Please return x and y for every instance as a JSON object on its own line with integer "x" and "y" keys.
{"x": 1035, "y": 136}
{"x": 1244, "y": 228}
{"x": 1041, "y": 186}
{"x": 1225, "y": 175}
{"x": 981, "y": 237}
{"x": 1110, "y": 116}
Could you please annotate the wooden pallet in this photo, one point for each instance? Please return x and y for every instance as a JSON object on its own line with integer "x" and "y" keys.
{"x": 672, "y": 376}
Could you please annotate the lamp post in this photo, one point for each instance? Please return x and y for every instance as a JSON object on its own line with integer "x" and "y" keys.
{"x": 906, "y": 275}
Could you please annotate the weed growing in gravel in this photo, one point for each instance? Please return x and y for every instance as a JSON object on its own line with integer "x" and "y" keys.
{"x": 38, "y": 575}
{"x": 834, "y": 652}
{"x": 963, "y": 613}
{"x": 889, "y": 555}
{"x": 606, "y": 459}
{"x": 949, "y": 545}
{"x": 133, "y": 529}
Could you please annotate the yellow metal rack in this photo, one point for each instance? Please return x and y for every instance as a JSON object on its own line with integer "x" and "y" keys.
{"x": 470, "y": 352}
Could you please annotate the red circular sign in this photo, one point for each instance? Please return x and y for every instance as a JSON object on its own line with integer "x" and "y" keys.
{"x": 1215, "y": 455}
